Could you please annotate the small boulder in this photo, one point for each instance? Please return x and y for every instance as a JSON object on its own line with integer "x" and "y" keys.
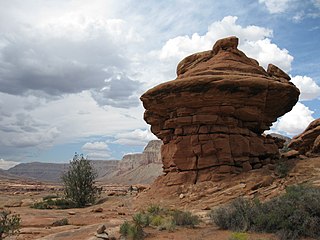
{"x": 97, "y": 210}
{"x": 101, "y": 229}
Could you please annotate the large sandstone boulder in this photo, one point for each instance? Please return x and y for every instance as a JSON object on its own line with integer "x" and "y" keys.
{"x": 212, "y": 116}
{"x": 308, "y": 142}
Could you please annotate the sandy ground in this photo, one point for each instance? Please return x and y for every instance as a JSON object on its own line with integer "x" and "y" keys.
{"x": 114, "y": 210}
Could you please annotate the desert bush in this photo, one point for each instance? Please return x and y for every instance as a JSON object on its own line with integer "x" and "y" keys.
{"x": 132, "y": 230}
{"x": 50, "y": 203}
{"x": 154, "y": 209}
{"x": 238, "y": 236}
{"x": 61, "y": 222}
{"x": 124, "y": 228}
{"x": 156, "y": 220}
{"x": 9, "y": 225}
{"x": 157, "y": 217}
{"x": 282, "y": 168}
{"x": 236, "y": 216}
{"x": 79, "y": 182}
{"x": 293, "y": 215}
{"x": 167, "y": 224}
{"x": 162, "y": 222}
{"x": 181, "y": 218}
{"x": 142, "y": 219}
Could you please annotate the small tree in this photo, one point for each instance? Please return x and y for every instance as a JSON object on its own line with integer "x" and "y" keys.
{"x": 9, "y": 225}
{"x": 79, "y": 182}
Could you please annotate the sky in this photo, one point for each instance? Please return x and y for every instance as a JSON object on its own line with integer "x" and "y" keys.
{"x": 72, "y": 71}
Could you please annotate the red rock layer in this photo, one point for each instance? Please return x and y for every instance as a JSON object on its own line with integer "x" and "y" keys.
{"x": 211, "y": 117}
{"x": 308, "y": 142}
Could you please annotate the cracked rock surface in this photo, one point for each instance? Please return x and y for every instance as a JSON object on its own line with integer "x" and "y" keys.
{"x": 212, "y": 116}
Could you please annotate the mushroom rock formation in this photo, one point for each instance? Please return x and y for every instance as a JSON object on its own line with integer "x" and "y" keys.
{"x": 308, "y": 142}
{"x": 212, "y": 116}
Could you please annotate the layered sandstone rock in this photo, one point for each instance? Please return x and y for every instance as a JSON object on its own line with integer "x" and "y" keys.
{"x": 308, "y": 142}
{"x": 150, "y": 154}
{"x": 211, "y": 117}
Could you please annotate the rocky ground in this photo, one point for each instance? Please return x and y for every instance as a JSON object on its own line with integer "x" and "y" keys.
{"x": 118, "y": 205}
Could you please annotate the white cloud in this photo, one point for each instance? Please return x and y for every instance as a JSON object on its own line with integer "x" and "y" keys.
{"x": 69, "y": 54}
{"x": 276, "y": 6}
{"x": 316, "y": 3}
{"x": 95, "y": 146}
{"x": 137, "y": 137}
{"x": 309, "y": 89}
{"x": 7, "y": 164}
{"x": 294, "y": 122}
{"x": 27, "y": 122}
{"x": 254, "y": 41}
{"x": 267, "y": 52}
{"x": 96, "y": 150}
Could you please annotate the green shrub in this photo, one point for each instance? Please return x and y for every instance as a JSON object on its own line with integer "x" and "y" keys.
{"x": 132, "y": 231}
{"x": 181, "y": 218}
{"x": 154, "y": 209}
{"x": 142, "y": 219}
{"x": 50, "y": 203}
{"x": 135, "y": 232}
{"x": 9, "y": 225}
{"x": 293, "y": 215}
{"x": 155, "y": 216}
{"x": 282, "y": 168}
{"x": 167, "y": 224}
{"x": 61, "y": 222}
{"x": 238, "y": 236}
{"x": 79, "y": 185}
{"x": 124, "y": 228}
{"x": 156, "y": 220}
{"x": 236, "y": 216}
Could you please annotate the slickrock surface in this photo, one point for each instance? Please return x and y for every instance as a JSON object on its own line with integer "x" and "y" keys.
{"x": 211, "y": 117}
{"x": 308, "y": 142}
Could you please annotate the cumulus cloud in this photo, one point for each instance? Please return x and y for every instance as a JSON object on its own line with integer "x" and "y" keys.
{"x": 96, "y": 150}
{"x": 68, "y": 55}
{"x": 309, "y": 89}
{"x": 118, "y": 91}
{"x": 296, "y": 10}
{"x": 22, "y": 130}
{"x": 276, "y": 6}
{"x": 294, "y": 122}
{"x": 138, "y": 137}
{"x": 254, "y": 41}
{"x": 95, "y": 146}
{"x": 7, "y": 164}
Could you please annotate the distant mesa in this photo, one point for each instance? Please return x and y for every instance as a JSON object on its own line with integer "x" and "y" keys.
{"x": 212, "y": 116}
{"x": 132, "y": 169}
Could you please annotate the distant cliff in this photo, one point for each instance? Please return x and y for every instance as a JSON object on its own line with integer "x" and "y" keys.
{"x": 52, "y": 172}
{"x": 133, "y": 168}
{"x": 150, "y": 154}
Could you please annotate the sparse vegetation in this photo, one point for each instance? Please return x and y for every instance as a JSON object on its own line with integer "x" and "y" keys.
{"x": 282, "y": 168}
{"x": 132, "y": 230}
{"x": 181, "y": 218}
{"x": 54, "y": 203}
{"x": 157, "y": 217}
{"x": 9, "y": 224}
{"x": 79, "y": 182}
{"x": 238, "y": 236}
{"x": 293, "y": 215}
